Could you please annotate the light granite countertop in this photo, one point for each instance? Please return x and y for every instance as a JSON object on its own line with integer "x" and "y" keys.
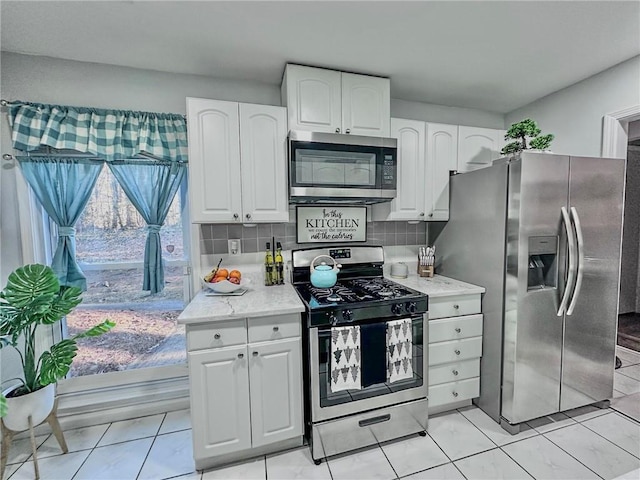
{"x": 259, "y": 301}
{"x": 437, "y": 286}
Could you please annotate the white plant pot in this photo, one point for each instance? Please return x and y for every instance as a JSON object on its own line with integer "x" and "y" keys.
{"x": 38, "y": 404}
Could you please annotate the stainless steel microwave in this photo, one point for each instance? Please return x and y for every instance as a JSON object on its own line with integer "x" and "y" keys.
{"x": 339, "y": 168}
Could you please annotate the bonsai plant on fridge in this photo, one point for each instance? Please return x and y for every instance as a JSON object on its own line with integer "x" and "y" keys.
{"x": 31, "y": 298}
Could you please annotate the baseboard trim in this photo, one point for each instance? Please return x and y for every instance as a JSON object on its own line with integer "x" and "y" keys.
{"x": 116, "y": 403}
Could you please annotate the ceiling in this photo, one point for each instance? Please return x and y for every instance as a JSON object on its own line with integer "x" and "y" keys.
{"x": 494, "y": 56}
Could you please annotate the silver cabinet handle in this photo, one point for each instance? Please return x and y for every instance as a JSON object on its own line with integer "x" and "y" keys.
{"x": 430, "y": 215}
{"x": 422, "y": 214}
{"x": 255, "y": 354}
{"x": 455, "y": 373}
{"x": 457, "y": 352}
{"x": 580, "y": 238}
{"x": 241, "y": 355}
{"x": 458, "y": 329}
{"x": 568, "y": 288}
{"x": 235, "y": 216}
{"x": 456, "y": 306}
{"x": 217, "y": 336}
{"x": 337, "y": 130}
{"x": 248, "y": 215}
{"x": 455, "y": 394}
{"x": 276, "y": 328}
{"x": 347, "y": 131}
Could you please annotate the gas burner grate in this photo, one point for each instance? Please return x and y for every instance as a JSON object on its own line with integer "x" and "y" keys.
{"x": 337, "y": 293}
{"x": 380, "y": 287}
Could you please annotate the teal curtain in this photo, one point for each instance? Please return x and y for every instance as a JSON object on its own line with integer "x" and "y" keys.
{"x": 63, "y": 187}
{"x": 108, "y": 134}
{"x": 150, "y": 186}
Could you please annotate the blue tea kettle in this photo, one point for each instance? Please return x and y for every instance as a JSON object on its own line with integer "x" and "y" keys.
{"x": 324, "y": 276}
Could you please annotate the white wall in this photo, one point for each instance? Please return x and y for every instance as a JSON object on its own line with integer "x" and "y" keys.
{"x": 428, "y": 112}
{"x": 574, "y": 114}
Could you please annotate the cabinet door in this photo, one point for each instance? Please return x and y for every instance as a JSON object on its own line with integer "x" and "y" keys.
{"x": 214, "y": 161}
{"x": 276, "y": 390}
{"x": 220, "y": 415}
{"x": 263, "y": 136}
{"x": 478, "y": 147}
{"x": 442, "y": 157}
{"x": 410, "y": 199}
{"x": 366, "y": 105}
{"x": 312, "y": 98}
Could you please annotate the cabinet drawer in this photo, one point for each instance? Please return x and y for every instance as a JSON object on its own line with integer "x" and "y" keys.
{"x": 455, "y": 328}
{"x": 452, "y": 372}
{"x": 455, "y": 351}
{"x": 215, "y": 335}
{"x": 274, "y": 328}
{"x": 454, "y": 392}
{"x": 441, "y": 307}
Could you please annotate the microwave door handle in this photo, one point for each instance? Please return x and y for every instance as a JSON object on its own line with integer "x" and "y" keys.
{"x": 580, "y": 237}
{"x": 571, "y": 276}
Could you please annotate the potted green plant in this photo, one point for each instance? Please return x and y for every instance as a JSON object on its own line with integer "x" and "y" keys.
{"x": 520, "y": 131}
{"x": 31, "y": 298}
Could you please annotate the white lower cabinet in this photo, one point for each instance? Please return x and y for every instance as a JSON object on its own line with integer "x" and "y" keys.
{"x": 455, "y": 348}
{"x": 248, "y": 396}
{"x": 276, "y": 391}
{"x": 220, "y": 412}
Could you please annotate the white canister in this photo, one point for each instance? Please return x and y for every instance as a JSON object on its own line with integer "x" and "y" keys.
{"x": 399, "y": 270}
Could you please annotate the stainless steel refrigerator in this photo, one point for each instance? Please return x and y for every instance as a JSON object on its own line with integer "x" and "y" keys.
{"x": 543, "y": 235}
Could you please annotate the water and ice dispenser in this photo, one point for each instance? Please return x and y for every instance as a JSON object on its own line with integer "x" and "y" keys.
{"x": 543, "y": 263}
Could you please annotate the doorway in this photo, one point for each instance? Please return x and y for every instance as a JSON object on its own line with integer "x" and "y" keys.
{"x": 629, "y": 305}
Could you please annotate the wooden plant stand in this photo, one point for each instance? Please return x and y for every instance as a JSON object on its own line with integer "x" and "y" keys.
{"x": 7, "y": 438}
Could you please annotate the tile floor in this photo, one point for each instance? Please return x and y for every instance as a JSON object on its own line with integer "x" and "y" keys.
{"x": 582, "y": 444}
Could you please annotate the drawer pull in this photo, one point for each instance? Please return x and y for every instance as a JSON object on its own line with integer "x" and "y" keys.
{"x": 276, "y": 328}
{"x": 456, "y": 306}
{"x": 217, "y": 336}
{"x": 455, "y": 394}
{"x": 255, "y": 354}
{"x": 241, "y": 355}
{"x": 458, "y": 329}
{"x": 457, "y": 352}
{"x": 455, "y": 372}
{"x": 374, "y": 420}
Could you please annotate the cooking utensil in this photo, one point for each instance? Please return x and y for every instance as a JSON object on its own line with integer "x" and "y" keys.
{"x": 324, "y": 276}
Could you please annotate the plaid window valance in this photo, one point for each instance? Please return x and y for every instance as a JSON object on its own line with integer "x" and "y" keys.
{"x": 108, "y": 134}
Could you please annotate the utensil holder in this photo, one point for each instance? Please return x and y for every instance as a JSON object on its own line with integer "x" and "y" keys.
{"x": 425, "y": 270}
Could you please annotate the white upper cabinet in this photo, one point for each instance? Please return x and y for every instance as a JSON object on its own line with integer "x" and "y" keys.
{"x": 442, "y": 158}
{"x": 263, "y": 136}
{"x": 237, "y": 162}
{"x": 214, "y": 160}
{"x": 478, "y": 147}
{"x": 409, "y": 203}
{"x": 366, "y": 105}
{"x": 313, "y": 98}
{"x": 321, "y": 100}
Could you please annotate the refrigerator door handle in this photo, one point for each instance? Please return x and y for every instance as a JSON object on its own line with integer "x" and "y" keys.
{"x": 572, "y": 262}
{"x": 580, "y": 237}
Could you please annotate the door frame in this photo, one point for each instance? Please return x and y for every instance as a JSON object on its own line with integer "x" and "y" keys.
{"x": 615, "y": 131}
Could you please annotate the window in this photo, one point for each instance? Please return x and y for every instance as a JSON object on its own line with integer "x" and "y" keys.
{"x": 110, "y": 240}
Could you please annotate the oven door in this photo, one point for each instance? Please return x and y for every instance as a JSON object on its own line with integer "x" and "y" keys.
{"x": 326, "y": 405}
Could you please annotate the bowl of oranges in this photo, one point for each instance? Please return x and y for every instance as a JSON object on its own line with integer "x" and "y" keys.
{"x": 221, "y": 280}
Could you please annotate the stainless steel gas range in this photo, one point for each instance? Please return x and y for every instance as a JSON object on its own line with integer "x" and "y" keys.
{"x": 365, "y": 353}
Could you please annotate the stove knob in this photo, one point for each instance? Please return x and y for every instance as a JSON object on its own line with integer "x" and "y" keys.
{"x": 412, "y": 307}
{"x": 347, "y": 315}
{"x": 396, "y": 309}
{"x": 333, "y": 319}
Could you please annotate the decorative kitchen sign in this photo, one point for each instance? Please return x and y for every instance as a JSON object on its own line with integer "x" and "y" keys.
{"x": 331, "y": 224}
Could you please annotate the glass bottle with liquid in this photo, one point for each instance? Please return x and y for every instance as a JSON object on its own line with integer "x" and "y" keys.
{"x": 268, "y": 266}
{"x": 279, "y": 264}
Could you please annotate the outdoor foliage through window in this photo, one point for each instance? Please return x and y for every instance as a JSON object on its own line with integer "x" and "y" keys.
{"x": 110, "y": 240}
